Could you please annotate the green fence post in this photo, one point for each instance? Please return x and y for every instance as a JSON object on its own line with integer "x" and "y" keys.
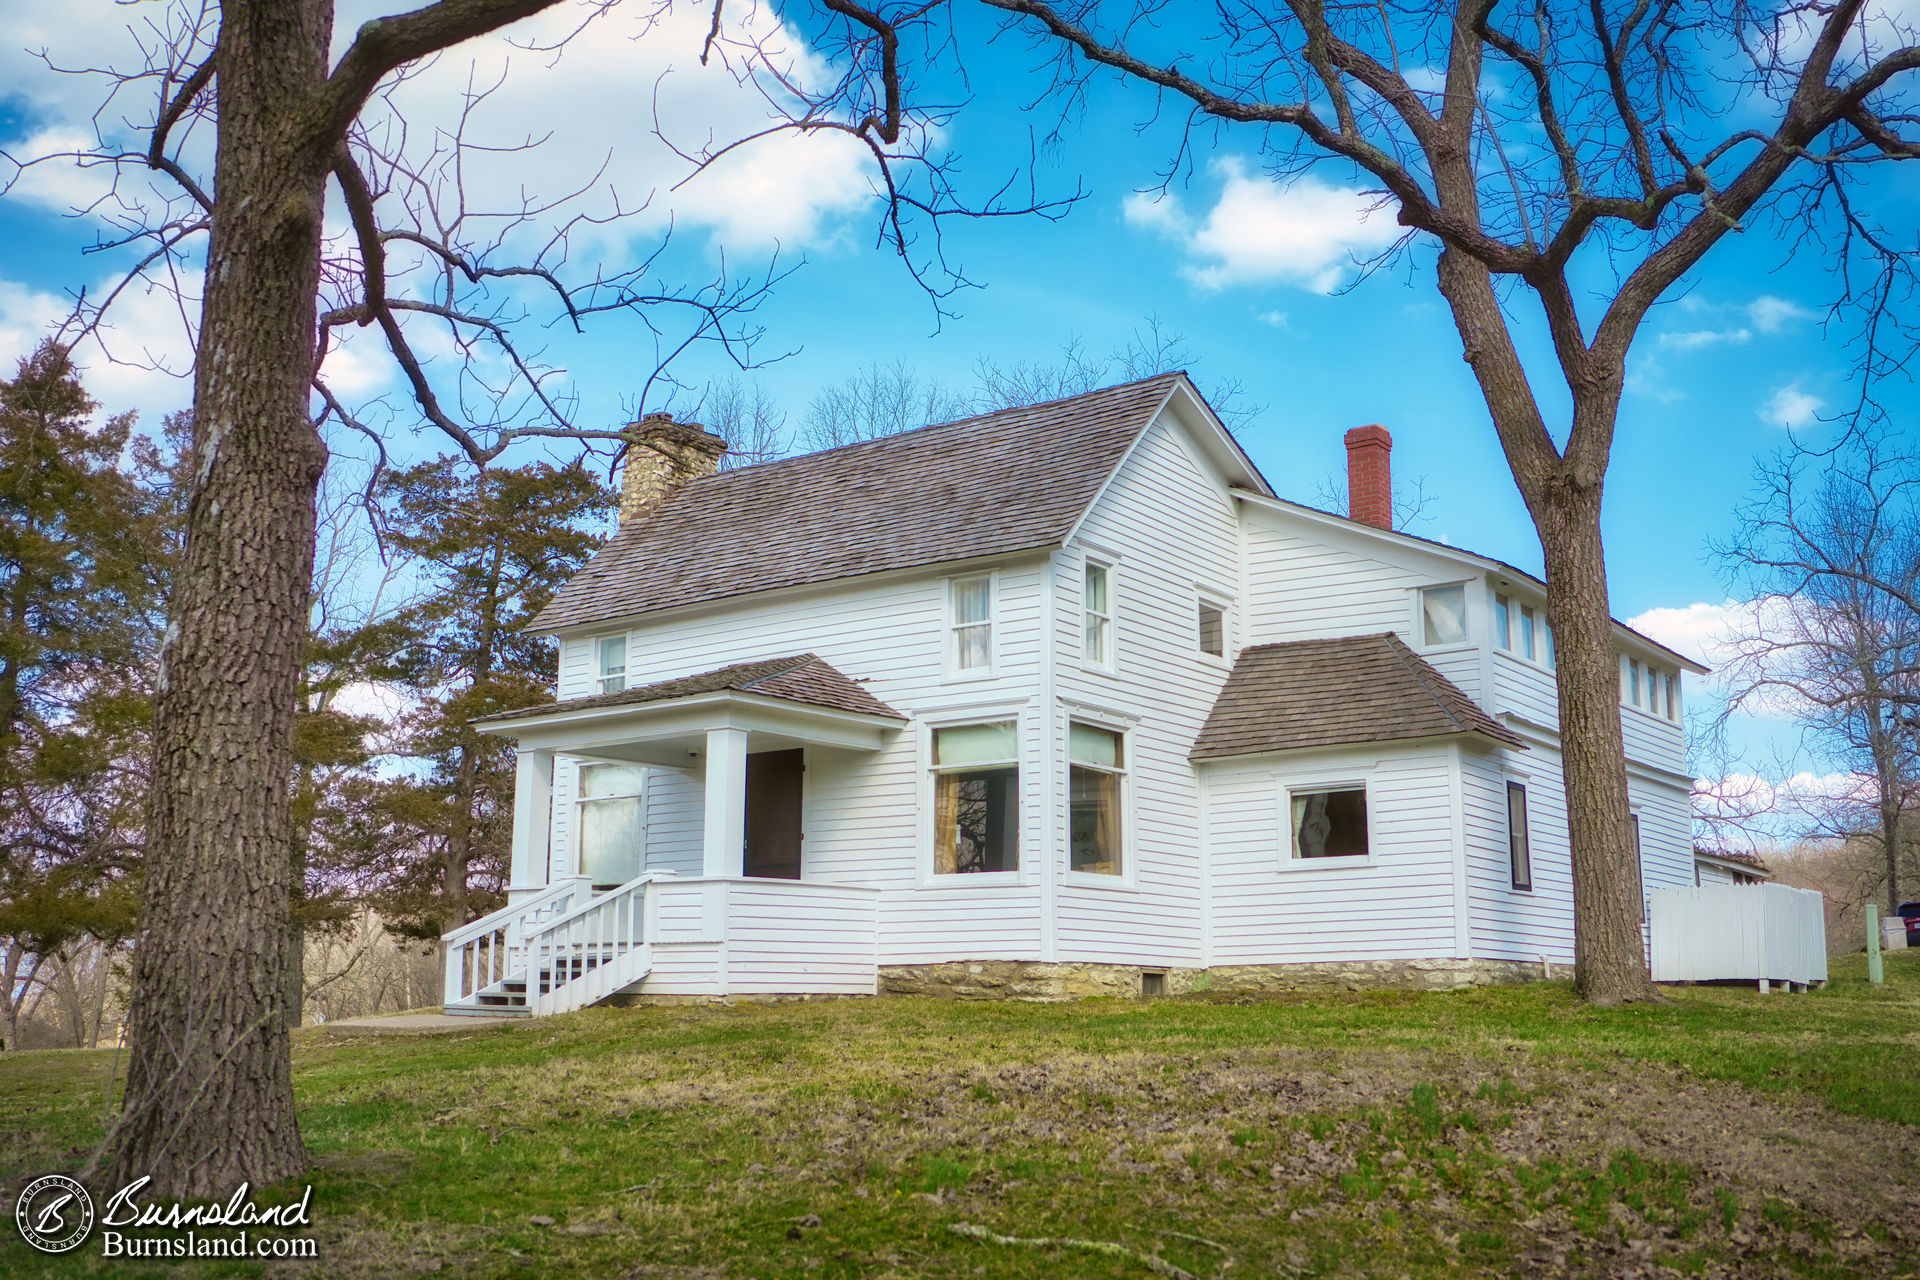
{"x": 1876, "y": 971}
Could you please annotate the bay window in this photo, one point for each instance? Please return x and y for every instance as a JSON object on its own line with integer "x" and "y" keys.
{"x": 976, "y": 798}
{"x": 1097, "y": 806}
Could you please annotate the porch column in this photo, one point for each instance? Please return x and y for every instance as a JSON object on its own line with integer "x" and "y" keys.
{"x": 726, "y": 798}
{"x": 532, "y": 819}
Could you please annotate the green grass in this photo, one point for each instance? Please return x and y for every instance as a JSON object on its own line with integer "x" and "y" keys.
{"x": 1498, "y": 1132}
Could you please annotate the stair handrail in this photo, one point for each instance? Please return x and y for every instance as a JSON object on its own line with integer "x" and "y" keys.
{"x": 599, "y": 936}
{"x": 548, "y": 897}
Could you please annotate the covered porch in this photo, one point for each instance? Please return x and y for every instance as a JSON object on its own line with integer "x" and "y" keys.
{"x": 599, "y": 919}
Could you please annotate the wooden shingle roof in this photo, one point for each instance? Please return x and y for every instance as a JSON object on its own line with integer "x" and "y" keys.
{"x": 1011, "y": 481}
{"x": 1336, "y": 693}
{"x": 806, "y": 679}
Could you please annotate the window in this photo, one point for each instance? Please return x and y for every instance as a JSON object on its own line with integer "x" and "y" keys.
{"x": 1526, "y": 632}
{"x": 1673, "y": 696}
{"x": 1096, "y": 778}
{"x": 1553, "y": 659}
{"x": 1329, "y": 824}
{"x": 612, "y": 663}
{"x": 1099, "y": 616}
{"x": 1443, "y": 613}
{"x": 612, "y": 846}
{"x": 1502, "y": 622}
{"x": 1213, "y": 628}
{"x": 976, "y": 799}
{"x": 1518, "y": 852}
{"x": 971, "y": 611}
{"x": 1633, "y": 681}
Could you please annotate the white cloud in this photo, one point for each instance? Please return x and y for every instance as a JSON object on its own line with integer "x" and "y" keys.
{"x": 1695, "y": 339}
{"x": 1791, "y": 407}
{"x": 592, "y": 102}
{"x": 1771, "y": 315}
{"x": 1273, "y": 319}
{"x": 1306, "y": 233}
{"x": 1696, "y": 630}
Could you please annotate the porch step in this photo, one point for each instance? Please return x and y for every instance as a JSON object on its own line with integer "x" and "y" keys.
{"x": 472, "y": 1009}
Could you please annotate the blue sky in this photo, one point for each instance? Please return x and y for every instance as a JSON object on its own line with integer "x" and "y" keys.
{"x": 1256, "y": 277}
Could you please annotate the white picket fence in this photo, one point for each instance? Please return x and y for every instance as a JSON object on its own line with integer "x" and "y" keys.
{"x": 1762, "y": 933}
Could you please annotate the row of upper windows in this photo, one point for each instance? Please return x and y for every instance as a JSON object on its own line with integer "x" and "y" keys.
{"x": 1517, "y": 629}
{"x": 971, "y": 618}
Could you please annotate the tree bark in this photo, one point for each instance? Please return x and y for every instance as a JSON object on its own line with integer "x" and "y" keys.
{"x": 1609, "y": 965}
{"x": 209, "y": 1084}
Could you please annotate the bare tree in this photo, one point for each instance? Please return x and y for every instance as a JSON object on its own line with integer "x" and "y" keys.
{"x": 249, "y": 122}
{"x": 1562, "y": 166}
{"x": 880, "y": 400}
{"x": 1829, "y": 551}
{"x": 745, "y": 415}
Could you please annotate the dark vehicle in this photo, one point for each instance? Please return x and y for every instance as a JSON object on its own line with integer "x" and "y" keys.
{"x": 1910, "y": 912}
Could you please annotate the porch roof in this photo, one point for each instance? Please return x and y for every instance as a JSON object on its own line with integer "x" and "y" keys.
{"x": 1335, "y": 693}
{"x": 781, "y": 701}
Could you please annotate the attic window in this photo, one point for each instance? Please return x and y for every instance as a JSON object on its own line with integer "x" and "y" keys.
{"x": 1443, "y": 614}
{"x": 612, "y": 654}
{"x": 1213, "y": 628}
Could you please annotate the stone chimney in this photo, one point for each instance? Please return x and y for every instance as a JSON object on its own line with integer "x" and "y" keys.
{"x": 1370, "y": 476}
{"x": 662, "y": 455}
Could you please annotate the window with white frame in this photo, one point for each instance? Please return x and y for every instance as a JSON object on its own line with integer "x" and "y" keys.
{"x": 1553, "y": 659}
{"x": 970, "y": 623}
{"x": 1502, "y": 621}
{"x": 1672, "y": 681}
{"x": 1213, "y": 628}
{"x": 1098, "y": 601}
{"x": 1526, "y": 632}
{"x": 1328, "y": 823}
{"x": 612, "y": 841}
{"x": 1443, "y": 615}
{"x": 976, "y": 798}
{"x": 1519, "y": 851}
{"x": 1096, "y": 814}
{"x": 610, "y": 664}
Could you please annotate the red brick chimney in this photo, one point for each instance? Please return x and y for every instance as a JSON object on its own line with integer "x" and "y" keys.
{"x": 1370, "y": 476}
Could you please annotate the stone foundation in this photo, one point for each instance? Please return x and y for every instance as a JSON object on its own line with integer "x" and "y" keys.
{"x": 1034, "y": 980}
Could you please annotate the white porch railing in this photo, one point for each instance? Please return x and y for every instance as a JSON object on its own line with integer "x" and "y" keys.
{"x": 492, "y": 949}
{"x": 591, "y": 950}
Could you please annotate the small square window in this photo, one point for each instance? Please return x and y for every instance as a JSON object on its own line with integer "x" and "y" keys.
{"x": 612, "y": 664}
{"x": 1502, "y": 622}
{"x": 1443, "y": 613}
{"x": 1213, "y": 629}
{"x": 1329, "y": 824}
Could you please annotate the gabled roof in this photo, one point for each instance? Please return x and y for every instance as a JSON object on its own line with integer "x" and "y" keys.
{"x": 1337, "y": 693}
{"x": 1016, "y": 480}
{"x": 806, "y": 679}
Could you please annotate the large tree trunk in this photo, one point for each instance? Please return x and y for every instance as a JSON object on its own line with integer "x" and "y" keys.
{"x": 1609, "y": 958}
{"x": 209, "y": 1083}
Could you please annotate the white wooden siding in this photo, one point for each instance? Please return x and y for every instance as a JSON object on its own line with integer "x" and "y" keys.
{"x": 1169, "y": 518}
{"x": 1267, "y": 911}
{"x": 1508, "y": 923}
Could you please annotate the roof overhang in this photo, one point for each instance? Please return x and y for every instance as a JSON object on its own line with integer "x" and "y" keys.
{"x": 673, "y": 731}
{"x": 1421, "y": 742}
{"x": 1732, "y": 864}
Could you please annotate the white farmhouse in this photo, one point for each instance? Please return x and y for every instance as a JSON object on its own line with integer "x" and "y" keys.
{"x": 1059, "y": 700}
